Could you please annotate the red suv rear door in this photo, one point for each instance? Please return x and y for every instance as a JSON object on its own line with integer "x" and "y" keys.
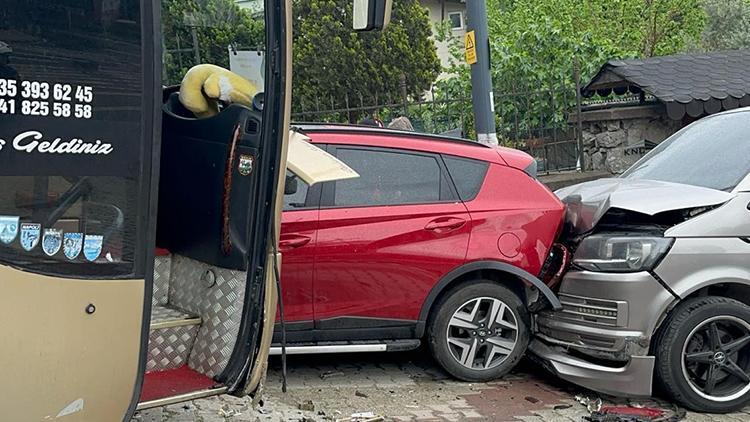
{"x": 297, "y": 244}
{"x": 384, "y": 240}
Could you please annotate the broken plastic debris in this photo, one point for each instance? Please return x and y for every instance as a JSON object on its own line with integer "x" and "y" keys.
{"x": 307, "y": 406}
{"x": 363, "y": 417}
{"x": 229, "y": 413}
{"x": 330, "y": 374}
{"x": 592, "y": 405}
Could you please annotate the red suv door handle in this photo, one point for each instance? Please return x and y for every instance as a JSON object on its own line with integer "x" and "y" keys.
{"x": 293, "y": 241}
{"x": 445, "y": 224}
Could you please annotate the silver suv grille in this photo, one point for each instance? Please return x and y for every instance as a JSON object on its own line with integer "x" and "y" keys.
{"x": 578, "y": 339}
{"x": 606, "y": 313}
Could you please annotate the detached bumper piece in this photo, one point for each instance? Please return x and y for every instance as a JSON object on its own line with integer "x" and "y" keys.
{"x": 634, "y": 379}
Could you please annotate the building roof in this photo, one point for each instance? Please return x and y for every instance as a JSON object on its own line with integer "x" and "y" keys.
{"x": 688, "y": 84}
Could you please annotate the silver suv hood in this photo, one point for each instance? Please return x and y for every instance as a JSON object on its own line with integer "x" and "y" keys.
{"x": 587, "y": 202}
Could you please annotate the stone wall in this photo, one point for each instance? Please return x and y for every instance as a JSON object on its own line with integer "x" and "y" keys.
{"x": 614, "y": 139}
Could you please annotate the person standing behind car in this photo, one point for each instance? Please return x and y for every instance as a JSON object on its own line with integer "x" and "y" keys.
{"x": 371, "y": 121}
{"x": 401, "y": 123}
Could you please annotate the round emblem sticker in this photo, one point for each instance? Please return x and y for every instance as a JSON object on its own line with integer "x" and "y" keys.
{"x": 30, "y": 235}
{"x": 8, "y": 229}
{"x": 52, "y": 241}
{"x": 92, "y": 247}
{"x": 72, "y": 245}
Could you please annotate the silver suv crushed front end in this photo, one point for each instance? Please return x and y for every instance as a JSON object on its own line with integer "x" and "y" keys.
{"x": 600, "y": 339}
{"x": 659, "y": 287}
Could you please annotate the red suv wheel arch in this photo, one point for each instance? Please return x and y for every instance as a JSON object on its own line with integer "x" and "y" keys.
{"x": 448, "y": 281}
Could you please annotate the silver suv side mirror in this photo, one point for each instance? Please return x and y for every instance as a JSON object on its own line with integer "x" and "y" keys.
{"x": 371, "y": 15}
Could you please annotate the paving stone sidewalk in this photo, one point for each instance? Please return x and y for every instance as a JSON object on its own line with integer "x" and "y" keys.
{"x": 398, "y": 387}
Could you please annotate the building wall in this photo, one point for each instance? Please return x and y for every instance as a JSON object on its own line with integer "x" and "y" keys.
{"x": 436, "y": 12}
{"x": 255, "y": 6}
{"x": 615, "y": 139}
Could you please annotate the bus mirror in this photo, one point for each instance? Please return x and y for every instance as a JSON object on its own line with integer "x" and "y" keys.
{"x": 372, "y": 15}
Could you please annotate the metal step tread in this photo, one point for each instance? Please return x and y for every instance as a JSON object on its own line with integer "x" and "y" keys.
{"x": 346, "y": 347}
{"x": 168, "y": 317}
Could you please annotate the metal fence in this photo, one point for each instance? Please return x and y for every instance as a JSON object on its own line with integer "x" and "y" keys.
{"x": 535, "y": 121}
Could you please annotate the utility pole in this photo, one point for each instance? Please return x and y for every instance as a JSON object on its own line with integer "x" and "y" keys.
{"x": 478, "y": 56}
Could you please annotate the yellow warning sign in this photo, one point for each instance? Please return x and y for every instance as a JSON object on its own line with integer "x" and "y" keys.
{"x": 470, "y": 42}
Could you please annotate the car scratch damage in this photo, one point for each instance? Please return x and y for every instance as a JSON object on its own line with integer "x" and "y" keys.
{"x": 74, "y": 407}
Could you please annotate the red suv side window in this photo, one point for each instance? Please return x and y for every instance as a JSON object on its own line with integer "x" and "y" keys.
{"x": 391, "y": 177}
{"x": 467, "y": 174}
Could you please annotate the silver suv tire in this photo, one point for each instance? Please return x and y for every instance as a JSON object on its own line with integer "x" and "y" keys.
{"x": 703, "y": 354}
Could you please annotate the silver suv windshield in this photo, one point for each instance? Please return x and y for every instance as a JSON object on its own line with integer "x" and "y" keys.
{"x": 711, "y": 153}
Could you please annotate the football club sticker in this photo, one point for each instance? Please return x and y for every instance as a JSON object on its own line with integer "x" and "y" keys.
{"x": 30, "y": 234}
{"x": 92, "y": 247}
{"x": 8, "y": 229}
{"x": 72, "y": 245}
{"x": 52, "y": 241}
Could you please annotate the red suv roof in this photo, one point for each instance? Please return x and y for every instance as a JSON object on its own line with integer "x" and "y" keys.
{"x": 372, "y": 136}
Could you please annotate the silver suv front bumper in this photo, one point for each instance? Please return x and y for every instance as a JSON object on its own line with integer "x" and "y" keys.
{"x": 601, "y": 337}
{"x": 633, "y": 379}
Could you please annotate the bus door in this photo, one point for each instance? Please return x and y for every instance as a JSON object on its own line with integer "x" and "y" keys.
{"x": 77, "y": 205}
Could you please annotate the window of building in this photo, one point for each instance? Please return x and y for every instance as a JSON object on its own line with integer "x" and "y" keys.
{"x": 456, "y": 19}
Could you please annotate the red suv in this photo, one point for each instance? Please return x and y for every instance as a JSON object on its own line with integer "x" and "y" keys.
{"x": 439, "y": 239}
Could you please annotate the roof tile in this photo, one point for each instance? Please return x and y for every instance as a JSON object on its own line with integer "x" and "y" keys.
{"x": 684, "y": 78}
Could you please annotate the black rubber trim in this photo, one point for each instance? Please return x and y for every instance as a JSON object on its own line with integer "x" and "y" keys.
{"x": 246, "y": 348}
{"x": 405, "y": 332}
{"x": 476, "y": 266}
{"x": 664, "y": 284}
{"x": 346, "y": 322}
{"x": 151, "y": 38}
{"x": 745, "y": 239}
{"x": 296, "y": 326}
{"x": 402, "y": 346}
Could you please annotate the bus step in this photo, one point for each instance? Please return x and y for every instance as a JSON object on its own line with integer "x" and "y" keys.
{"x": 172, "y": 335}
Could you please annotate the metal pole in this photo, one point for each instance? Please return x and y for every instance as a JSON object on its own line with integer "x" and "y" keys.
{"x": 581, "y": 165}
{"x": 404, "y": 95}
{"x": 481, "y": 80}
{"x": 196, "y": 46}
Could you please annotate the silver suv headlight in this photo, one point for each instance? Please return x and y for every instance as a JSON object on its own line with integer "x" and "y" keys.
{"x": 620, "y": 254}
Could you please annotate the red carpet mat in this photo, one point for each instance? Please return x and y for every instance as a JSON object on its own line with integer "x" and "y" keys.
{"x": 162, "y": 384}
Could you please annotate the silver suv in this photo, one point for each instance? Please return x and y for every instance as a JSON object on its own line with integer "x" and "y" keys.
{"x": 659, "y": 286}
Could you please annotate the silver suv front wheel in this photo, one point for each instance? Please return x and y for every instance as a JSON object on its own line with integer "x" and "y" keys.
{"x": 715, "y": 359}
{"x": 703, "y": 354}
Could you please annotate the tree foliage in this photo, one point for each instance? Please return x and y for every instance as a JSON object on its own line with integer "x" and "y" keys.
{"x": 537, "y": 46}
{"x": 728, "y": 25}
{"x": 332, "y": 63}
{"x": 215, "y": 24}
